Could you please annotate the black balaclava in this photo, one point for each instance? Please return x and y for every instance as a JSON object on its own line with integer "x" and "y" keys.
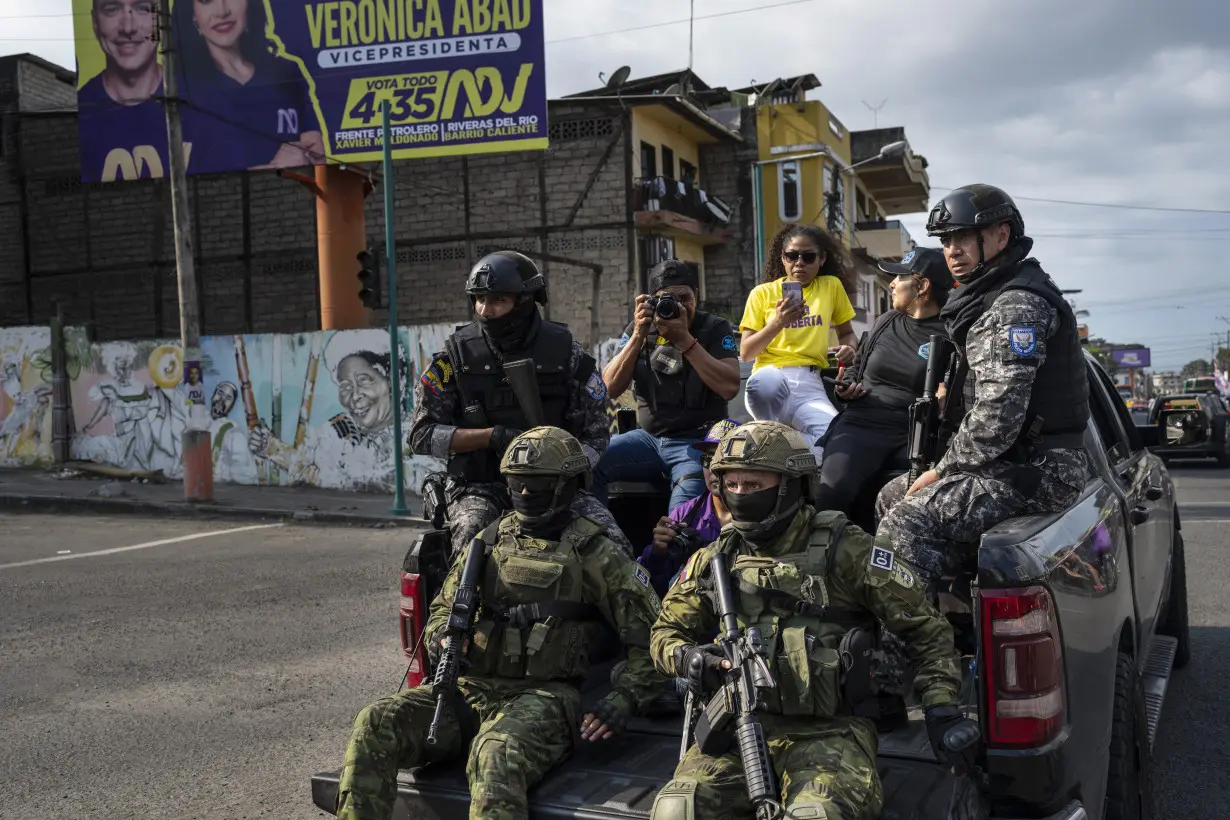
{"x": 762, "y": 516}
{"x": 545, "y": 514}
{"x": 516, "y": 329}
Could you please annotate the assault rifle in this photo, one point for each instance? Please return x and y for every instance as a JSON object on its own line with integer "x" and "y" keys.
{"x": 925, "y": 411}
{"x": 457, "y": 632}
{"x": 731, "y": 713}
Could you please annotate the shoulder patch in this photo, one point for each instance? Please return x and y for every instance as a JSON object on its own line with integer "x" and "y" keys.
{"x": 596, "y": 387}
{"x": 728, "y": 342}
{"x": 641, "y": 574}
{"x": 1023, "y": 339}
{"x": 689, "y": 568}
{"x": 903, "y": 576}
{"x": 438, "y": 377}
{"x": 924, "y": 350}
{"x": 882, "y": 558}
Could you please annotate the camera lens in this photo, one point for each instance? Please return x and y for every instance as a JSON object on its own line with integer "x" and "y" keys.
{"x": 666, "y": 308}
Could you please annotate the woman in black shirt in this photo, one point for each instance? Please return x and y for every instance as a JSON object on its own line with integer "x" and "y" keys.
{"x": 871, "y": 434}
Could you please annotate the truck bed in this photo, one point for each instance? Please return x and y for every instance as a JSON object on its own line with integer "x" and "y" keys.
{"x": 619, "y": 779}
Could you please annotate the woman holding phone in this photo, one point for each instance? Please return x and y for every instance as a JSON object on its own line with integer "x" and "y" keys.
{"x": 785, "y": 326}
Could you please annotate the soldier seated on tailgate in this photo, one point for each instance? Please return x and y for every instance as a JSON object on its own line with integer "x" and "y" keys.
{"x": 466, "y": 412}
{"x": 527, "y": 651}
{"x": 815, "y": 587}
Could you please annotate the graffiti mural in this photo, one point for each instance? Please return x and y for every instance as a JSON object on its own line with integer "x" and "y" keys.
{"x": 309, "y": 408}
{"x": 25, "y": 395}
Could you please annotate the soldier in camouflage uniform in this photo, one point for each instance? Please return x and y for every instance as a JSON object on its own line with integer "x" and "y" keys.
{"x": 813, "y": 584}
{"x": 466, "y": 413}
{"x": 528, "y": 650}
{"x": 1020, "y": 384}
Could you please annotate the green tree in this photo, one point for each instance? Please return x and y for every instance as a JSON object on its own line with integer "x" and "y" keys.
{"x": 1196, "y": 367}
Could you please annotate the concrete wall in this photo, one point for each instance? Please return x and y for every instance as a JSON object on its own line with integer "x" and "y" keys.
{"x": 25, "y": 396}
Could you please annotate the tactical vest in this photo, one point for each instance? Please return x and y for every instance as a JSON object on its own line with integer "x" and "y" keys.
{"x": 487, "y": 399}
{"x": 534, "y": 623}
{"x": 1060, "y": 394}
{"x": 681, "y": 404}
{"x": 805, "y": 638}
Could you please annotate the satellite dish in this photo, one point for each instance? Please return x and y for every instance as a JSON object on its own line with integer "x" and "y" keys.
{"x": 618, "y": 78}
{"x": 673, "y": 89}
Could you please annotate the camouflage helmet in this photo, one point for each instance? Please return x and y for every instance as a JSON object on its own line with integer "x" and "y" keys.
{"x": 547, "y": 451}
{"x": 765, "y": 445}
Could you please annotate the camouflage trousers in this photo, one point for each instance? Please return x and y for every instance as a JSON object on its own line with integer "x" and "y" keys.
{"x": 475, "y": 509}
{"x": 523, "y": 733}
{"x": 939, "y": 527}
{"x": 829, "y": 775}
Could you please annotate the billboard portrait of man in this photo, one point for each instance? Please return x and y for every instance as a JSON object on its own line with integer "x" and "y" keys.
{"x": 123, "y": 127}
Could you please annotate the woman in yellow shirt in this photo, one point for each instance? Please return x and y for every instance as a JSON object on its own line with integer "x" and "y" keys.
{"x": 788, "y": 337}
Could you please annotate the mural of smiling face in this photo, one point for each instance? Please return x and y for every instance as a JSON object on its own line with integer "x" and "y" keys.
{"x": 365, "y": 393}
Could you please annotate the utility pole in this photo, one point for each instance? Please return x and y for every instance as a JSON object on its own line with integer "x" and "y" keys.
{"x": 399, "y": 480}
{"x": 197, "y": 455}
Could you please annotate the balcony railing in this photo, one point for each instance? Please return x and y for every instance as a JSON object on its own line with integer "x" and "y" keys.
{"x": 680, "y": 197}
{"x": 884, "y": 239}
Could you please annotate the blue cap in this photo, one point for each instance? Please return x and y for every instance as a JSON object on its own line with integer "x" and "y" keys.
{"x": 715, "y": 434}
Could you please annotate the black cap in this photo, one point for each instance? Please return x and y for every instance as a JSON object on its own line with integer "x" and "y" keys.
{"x": 929, "y": 263}
{"x": 671, "y": 272}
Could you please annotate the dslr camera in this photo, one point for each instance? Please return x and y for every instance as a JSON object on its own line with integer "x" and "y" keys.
{"x": 665, "y": 306}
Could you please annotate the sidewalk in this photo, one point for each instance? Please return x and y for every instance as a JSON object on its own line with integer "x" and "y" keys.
{"x": 64, "y": 488}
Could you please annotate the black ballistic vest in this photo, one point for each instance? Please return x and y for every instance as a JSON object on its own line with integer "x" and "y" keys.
{"x": 487, "y": 399}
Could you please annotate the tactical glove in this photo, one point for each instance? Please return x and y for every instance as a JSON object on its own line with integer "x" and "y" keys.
{"x": 501, "y": 437}
{"x": 613, "y": 710}
{"x": 701, "y": 667}
{"x": 954, "y": 737}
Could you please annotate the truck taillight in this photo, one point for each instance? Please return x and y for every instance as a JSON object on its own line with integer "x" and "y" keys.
{"x": 1023, "y": 665}
{"x": 413, "y": 615}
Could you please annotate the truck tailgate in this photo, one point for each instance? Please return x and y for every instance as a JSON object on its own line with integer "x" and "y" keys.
{"x": 619, "y": 779}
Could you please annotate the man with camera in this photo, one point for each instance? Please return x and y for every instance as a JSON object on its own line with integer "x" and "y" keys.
{"x": 684, "y": 368}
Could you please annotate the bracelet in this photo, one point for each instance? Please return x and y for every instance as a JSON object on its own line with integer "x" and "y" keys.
{"x": 685, "y": 351}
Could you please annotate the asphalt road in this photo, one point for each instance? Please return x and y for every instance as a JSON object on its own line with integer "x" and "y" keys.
{"x": 210, "y": 677}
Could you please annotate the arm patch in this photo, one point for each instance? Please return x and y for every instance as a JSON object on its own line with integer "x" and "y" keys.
{"x": 1023, "y": 340}
{"x": 439, "y": 377}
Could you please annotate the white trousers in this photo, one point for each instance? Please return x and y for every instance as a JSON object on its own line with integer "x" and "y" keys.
{"x": 794, "y": 396}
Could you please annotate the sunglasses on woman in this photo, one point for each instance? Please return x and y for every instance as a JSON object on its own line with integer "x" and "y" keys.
{"x": 807, "y": 256}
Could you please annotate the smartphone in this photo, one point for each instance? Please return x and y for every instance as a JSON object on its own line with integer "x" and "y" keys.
{"x": 792, "y": 290}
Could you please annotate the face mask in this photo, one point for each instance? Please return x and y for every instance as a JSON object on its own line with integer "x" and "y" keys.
{"x": 532, "y": 505}
{"x": 510, "y": 331}
{"x": 751, "y": 508}
{"x": 758, "y": 516}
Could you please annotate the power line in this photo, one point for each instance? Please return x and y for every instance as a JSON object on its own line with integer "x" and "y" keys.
{"x": 1117, "y": 205}
{"x": 573, "y": 38}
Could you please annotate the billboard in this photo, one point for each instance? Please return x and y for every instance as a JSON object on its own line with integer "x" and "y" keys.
{"x": 1129, "y": 357}
{"x": 288, "y": 83}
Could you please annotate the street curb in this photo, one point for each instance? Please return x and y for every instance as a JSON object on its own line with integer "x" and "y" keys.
{"x": 33, "y": 503}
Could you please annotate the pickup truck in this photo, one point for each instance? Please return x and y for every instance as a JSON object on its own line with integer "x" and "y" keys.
{"x": 1070, "y": 625}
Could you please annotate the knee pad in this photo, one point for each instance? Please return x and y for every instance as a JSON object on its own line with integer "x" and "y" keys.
{"x": 807, "y": 811}
{"x": 675, "y": 801}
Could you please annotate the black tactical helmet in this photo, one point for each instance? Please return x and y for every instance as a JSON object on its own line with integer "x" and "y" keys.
{"x": 507, "y": 272}
{"x": 974, "y": 206}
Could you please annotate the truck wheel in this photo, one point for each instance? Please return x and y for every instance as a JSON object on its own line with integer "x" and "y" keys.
{"x": 1175, "y": 623}
{"x": 1129, "y": 780}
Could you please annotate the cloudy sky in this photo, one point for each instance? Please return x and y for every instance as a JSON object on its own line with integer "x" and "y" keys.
{"x": 1123, "y": 103}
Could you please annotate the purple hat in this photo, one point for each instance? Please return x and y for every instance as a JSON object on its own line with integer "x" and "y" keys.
{"x": 715, "y": 434}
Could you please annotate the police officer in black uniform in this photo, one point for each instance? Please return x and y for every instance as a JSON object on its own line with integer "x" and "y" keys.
{"x": 1019, "y": 394}
{"x": 466, "y": 412}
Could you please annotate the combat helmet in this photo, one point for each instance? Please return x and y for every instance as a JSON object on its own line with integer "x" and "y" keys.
{"x": 776, "y": 448}
{"x": 550, "y": 453}
{"x": 975, "y": 207}
{"x": 507, "y": 272}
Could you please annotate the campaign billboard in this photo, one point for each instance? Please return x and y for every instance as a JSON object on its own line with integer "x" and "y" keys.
{"x": 288, "y": 83}
{"x": 1129, "y": 357}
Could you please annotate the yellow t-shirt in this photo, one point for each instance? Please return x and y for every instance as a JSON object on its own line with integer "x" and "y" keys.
{"x": 806, "y": 342}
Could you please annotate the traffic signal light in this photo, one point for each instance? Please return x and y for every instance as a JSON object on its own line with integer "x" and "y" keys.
{"x": 369, "y": 277}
